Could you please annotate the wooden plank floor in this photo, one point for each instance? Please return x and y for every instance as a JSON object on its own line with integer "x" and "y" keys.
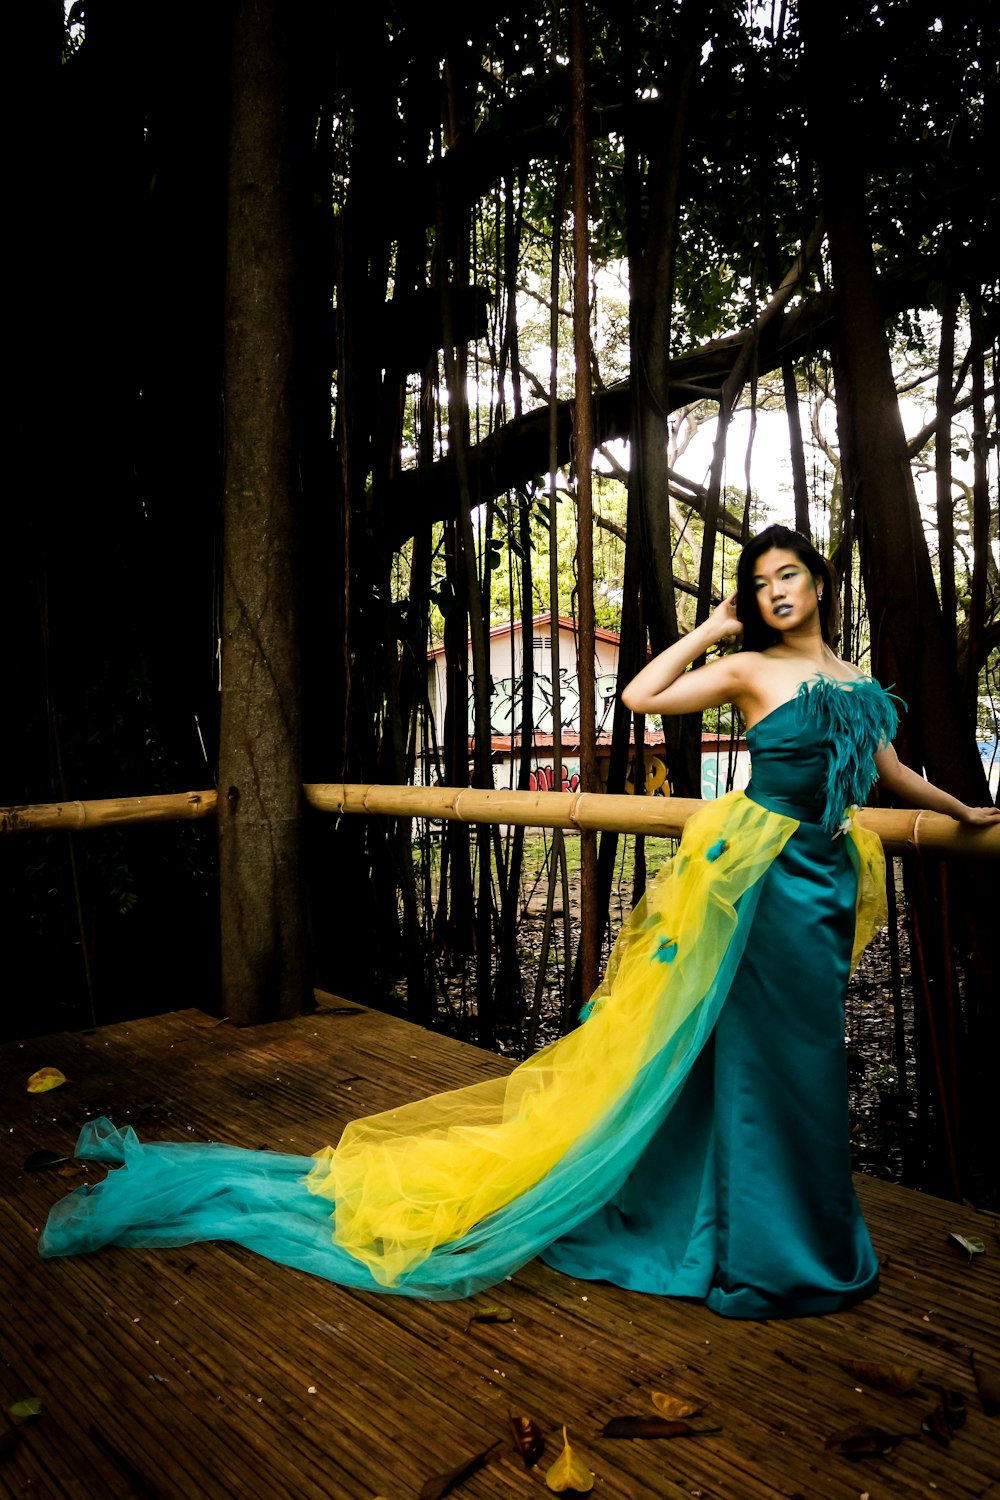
{"x": 209, "y": 1372}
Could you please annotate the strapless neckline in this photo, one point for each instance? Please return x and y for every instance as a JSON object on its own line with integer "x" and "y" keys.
{"x": 805, "y": 686}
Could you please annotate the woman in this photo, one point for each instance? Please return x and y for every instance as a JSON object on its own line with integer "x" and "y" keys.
{"x": 691, "y": 1137}
{"x": 745, "y": 1198}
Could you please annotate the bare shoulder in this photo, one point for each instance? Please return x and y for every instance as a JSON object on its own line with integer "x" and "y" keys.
{"x": 747, "y": 666}
{"x": 757, "y": 686}
{"x": 746, "y": 669}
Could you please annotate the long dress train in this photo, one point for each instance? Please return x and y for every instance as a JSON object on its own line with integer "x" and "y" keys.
{"x": 689, "y": 1139}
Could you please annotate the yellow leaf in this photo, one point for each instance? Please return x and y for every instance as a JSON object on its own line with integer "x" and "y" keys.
{"x": 569, "y": 1472}
{"x": 29, "y": 1407}
{"x": 490, "y": 1315}
{"x": 673, "y": 1406}
{"x": 45, "y": 1079}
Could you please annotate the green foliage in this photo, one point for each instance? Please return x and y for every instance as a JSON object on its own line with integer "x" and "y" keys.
{"x": 140, "y": 344}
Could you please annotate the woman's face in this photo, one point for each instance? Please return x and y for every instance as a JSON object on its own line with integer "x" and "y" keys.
{"x": 786, "y": 590}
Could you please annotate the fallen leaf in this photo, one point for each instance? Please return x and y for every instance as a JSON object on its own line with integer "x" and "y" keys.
{"x": 490, "y": 1315}
{"x": 45, "y": 1079}
{"x": 894, "y": 1380}
{"x": 652, "y": 1427}
{"x": 569, "y": 1472}
{"x": 971, "y": 1244}
{"x": 863, "y": 1441}
{"x": 529, "y": 1438}
{"x": 935, "y": 1425}
{"x": 29, "y": 1407}
{"x": 673, "y": 1406}
{"x": 208, "y": 1022}
{"x": 987, "y": 1378}
{"x": 442, "y": 1484}
{"x": 952, "y": 1407}
{"x": 43, "y": 1161}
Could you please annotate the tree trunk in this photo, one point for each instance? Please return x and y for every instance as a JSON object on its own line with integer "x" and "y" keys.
{"x": 909, "y": 647}
{"x": 652, "y": 253}
{"x": 800, "y": 485}
{"x": 265, "y": 969}
{"x": 583, "y": 452}
{"x": 909, "y": 651}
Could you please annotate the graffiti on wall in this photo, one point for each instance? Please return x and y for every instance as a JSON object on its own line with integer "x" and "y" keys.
{"x": 543, "y": 779}
{"x": 505, "y": 703}
{"x": 715, "y": 775}
{"x": 657, "y": 784}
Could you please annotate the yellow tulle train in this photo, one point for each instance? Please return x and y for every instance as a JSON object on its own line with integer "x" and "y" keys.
{"x": 409, "y": 1180}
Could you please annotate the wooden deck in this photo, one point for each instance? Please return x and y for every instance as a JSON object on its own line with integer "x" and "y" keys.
{"x": 208, "y": 1372}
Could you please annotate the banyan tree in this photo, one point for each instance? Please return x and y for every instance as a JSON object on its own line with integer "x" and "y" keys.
{"x": 314, "y": 350}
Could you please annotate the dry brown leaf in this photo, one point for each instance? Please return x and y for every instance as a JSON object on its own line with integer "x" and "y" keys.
{"x": 987, "y": 1378}
{"x": 43, "y": 1161}
{"x": 952, "y": 1407}
{"x": 653, "y": 1427}
{"x": 674, "y": 1406}
{"x": 440, "y": 1485}
{"x": 894, "y": 1380}
{"x": 529, "y": 1438}
{"x": 935, "y": 1425}
{"x": 863, "y": 1441}
{"x": 569, "y": 1472}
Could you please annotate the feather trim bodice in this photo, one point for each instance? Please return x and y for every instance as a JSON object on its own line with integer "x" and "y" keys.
{"x": 855, "y": 719}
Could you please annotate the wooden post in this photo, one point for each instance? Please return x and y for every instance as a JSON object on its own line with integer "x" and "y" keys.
{"x": 265, "y": 973}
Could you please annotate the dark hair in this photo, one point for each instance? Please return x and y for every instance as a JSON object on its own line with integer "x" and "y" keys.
{"x": 756, "y": 635}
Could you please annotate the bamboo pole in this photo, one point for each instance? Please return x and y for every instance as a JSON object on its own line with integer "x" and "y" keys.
{"x": 902, "y": 830}
{"x": 110, "y": 811}
{"x": 917, "y": 831}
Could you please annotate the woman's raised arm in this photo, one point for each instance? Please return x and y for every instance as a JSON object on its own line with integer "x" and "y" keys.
{"x": 665, "y": 686}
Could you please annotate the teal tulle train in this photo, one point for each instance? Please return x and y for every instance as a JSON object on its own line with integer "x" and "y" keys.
{"x": 690, "y": 1139}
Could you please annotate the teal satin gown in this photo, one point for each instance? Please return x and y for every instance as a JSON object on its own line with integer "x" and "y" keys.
{"x": 744, "y": 1198}
{"x": 690, "y": 1139}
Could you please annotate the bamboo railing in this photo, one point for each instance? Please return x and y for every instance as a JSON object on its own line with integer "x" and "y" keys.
{"x": 44, "y": 817}
{"x": 902, "y": 831}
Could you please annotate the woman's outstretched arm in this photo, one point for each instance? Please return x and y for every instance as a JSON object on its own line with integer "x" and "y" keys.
{"x": 908, "y": 785}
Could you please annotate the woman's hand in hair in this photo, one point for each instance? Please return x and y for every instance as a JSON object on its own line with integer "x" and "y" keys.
{"x": 723, "y": 621}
